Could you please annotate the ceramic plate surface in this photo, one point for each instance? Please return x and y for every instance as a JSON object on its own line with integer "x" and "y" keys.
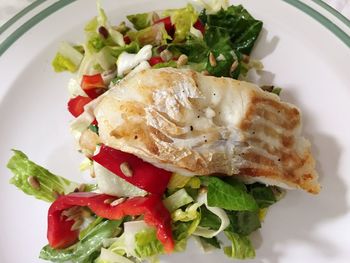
{"x": 305, "y": 49}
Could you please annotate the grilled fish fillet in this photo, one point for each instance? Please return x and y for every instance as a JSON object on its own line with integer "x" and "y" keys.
{"x": 185, "y": 122}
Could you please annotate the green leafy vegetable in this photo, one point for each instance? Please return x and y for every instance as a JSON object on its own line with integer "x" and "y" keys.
{"x": 229, "y": 196}
{"x": 67, "y": 58}
{"x": 61, "y": 63}
{"x": 218, "y": 41}
{"x": 23, "y": 168}
{"x": 209, "y": 219}
{"x": 177, "y": 200}
{"x": 91, "y": 226}
{"x": 133, "y": 47}
{"x": 262, "y": 194}
{"x": 170, "y": 63}
{"x": 209, "y": 242}
{"x": 183, "y": 19}
{"x": 189, "y": 214}
{"x": 108, "y": 256}
{"x": 154, "y": 35}
{"x": 243, "y": 222}
{"x": 240, "y": 25}
{"x": 241, "y": 247}
{"x": 82, "y": 250}
{"x": 140, "y": 21}
{"x": 277, "y": 90}
{"x": 147, "y": 244}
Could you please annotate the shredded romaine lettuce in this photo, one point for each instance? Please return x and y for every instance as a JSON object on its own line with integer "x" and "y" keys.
{"x": 230, "y": 196}
{"x": 107, "y": 256}
{"x": 67, "y": 58}
{"x": 49, "y": 184}
{"x": 140, "y": 21}
{"x": 241, "y": 247}
{"x": 177, "y": 200}
{"x": 206, "y": 232}
{"x": 84, "y": 250}
{"x": 183, "y": 19}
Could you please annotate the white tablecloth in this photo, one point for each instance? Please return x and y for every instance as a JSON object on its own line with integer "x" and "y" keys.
{"x": 9, "y": 8}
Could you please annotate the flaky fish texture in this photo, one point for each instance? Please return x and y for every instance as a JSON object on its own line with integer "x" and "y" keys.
{"x": 185, "y": 122}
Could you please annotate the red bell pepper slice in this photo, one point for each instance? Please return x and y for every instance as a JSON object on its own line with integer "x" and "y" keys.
{"x": 169, "y": 27}
{"x": 155, "y": 214}
{"x": 144, "y": 175}
{"x": 76, "y": 105}
{"x": 199, "y": 25}
{"x": 93, "y": 85}
{"x": 155, "y": 60}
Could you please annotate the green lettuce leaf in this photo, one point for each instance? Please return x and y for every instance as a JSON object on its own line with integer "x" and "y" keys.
{"x": 183, "y": 19}
{"x": 243, "y": 222}
{"x": 147, "y": 244}
{"x": 50, "y": 184}
{"x": 86, "y": 247}
{"x": 189, "y": 214}
{"x": 209, "y": 219}
{"x": 108, "y": 256}
{"x": 177, "y": 200}
{"x": 209, "y": 243}
{"x": 171, "y": 64}
{"x": 230, "y": 196}
{"x": 262, "y": 194}
{"x": 154, "y": 35}
{"x": 240, "y": 25}
{"x": 218, "y": 41}
{"x": 140, "y": 21}
{"x": 241, "y": 247}
{"x": 67, "y": 58}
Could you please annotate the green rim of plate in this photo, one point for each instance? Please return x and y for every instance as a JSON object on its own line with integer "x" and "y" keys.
{"x": 333, "y": 11}
{"x": 345, "y": 38}
{"x": 20, "y": 14}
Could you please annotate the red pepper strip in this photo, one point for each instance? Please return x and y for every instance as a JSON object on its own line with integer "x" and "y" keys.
{"x": 93, "y": 85}
{"x": 76, "y": 105}
{"x": 199, "y": 25}
{"x": 155, "y": 214}
{"x": 155, "y": 60}
{"x": 169, "y": 27}
{"x": 144, "y": 175}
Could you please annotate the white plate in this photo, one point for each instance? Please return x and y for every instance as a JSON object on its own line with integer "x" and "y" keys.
{"x": 302, "y": 51}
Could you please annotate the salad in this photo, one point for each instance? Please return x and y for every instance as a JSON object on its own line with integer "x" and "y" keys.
{"x": 133, "y": 211}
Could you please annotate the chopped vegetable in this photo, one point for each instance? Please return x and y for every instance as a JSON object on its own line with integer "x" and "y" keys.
{"x": 155, "y": 214}
{"x": 144, "y": 175}
{"x": 76, "y": 105}
{"x": 48, "y": 184}
{"x": 230, "y": 196}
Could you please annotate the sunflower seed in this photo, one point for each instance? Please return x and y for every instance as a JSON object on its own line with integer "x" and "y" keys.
{"x": 76, "y": 225}
{"x": 117, "y": 201}
{"x": 212, "y": 60}
{"x": 82, "y": 187}
{"x": 34, "y": 182}
{"x": 233, "y": 66}
{"x": 126, "y": 169}
{"x": 155, "y": 17}
{"x": 108, "y": 201}
{"x": 182, "y": 60}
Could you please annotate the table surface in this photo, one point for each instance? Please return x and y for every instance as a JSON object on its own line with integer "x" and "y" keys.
{"x": 9, "y": 8}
